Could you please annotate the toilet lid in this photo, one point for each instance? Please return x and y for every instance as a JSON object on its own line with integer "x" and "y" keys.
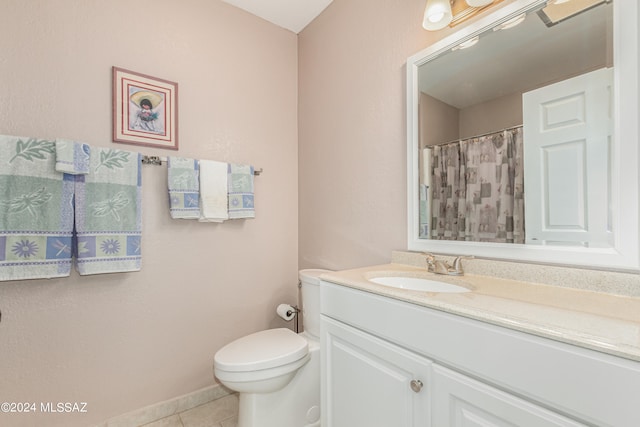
{"x": 261, "y": 350}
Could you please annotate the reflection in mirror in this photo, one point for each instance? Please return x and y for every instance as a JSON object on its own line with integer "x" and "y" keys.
{"x": 514, "y": 139}
{"x": 480, "y": 129}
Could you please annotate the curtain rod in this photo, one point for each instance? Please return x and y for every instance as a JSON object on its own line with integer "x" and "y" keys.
{"x": 475, "y": 136}
{"x": 157, "y": 161}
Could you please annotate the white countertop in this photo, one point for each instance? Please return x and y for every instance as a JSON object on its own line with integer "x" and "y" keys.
{"x": 598, "y": 321}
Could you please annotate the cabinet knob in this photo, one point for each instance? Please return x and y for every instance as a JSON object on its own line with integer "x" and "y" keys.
{"x": 416, "y": 385}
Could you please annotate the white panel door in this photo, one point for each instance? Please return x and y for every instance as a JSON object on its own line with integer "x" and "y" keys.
{"x": 567, "y": 158}
{"x": 463, "y": 402}
{"x": 370, "y": 382}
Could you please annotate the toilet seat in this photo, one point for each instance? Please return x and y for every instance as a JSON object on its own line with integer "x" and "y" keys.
{"x": 266, "y": 349}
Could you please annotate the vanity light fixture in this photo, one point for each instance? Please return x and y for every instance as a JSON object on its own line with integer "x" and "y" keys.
{"x": 437, "y": 15}
{"x": 467, "y": 44}
{"x": 440, "y": 13}
{"x": 510, "y": 23}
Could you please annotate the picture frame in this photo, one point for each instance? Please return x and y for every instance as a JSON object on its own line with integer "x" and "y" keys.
{"x": 145, "y": 110}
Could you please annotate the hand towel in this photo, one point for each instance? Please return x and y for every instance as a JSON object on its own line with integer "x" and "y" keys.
{"x": 184, "y": 188}
{"x": 36, "y": 211}
{"x": 109, "y": 213}
{"x": 213, "y": 191}
{"x": 72, "y": 157}
{"x": 241, "y": 191}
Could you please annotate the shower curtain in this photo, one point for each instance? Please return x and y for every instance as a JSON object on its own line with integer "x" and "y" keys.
{"x": 478, "y": 189}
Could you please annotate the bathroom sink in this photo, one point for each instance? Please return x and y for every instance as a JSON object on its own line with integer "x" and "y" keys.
{"x": 418, "y": 284}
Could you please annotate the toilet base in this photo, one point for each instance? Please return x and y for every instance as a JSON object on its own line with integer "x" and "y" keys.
{"x": 296, "y": 405}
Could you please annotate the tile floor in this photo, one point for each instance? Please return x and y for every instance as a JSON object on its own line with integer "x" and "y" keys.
{"x": 221, "y": 412}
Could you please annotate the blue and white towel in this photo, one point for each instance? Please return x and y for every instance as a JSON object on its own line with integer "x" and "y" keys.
{"x": 36, "y": 211}
{"x": 72, "y": 157}
{"x": 184, "y": 187}
{"x": 109, "y": 213}
{"x": 240, "y": 182}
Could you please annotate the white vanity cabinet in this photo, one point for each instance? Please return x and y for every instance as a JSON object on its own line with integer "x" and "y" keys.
{"x": 372, "y": 382}
{"x": 466, "y": 373}
{"x": 461, "y": 401}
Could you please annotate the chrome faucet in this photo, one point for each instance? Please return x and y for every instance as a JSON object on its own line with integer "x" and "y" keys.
{"x": 456, "y": 268}
{"x": 443, "y": 267}
{"x": 435, "y": 265}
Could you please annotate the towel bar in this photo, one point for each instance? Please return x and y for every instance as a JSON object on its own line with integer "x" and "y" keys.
{"x": 157, "y": 161}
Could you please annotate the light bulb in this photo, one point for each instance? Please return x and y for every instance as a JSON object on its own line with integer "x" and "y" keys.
{"x": 437, "y": 15}
{"x": 511, "y": 23}
{"x": 467, "y": 44}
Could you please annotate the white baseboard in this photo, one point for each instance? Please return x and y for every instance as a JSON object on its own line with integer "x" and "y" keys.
{"x": 167, "y": 408}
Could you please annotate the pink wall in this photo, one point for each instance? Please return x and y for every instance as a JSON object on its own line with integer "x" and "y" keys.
{"x": 122, "y": 341}
{"x": 352, "y": 138}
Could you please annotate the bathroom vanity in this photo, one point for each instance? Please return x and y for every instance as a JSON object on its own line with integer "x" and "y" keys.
{"x": 505, "y": 353}
{"x": 510, "y": 351}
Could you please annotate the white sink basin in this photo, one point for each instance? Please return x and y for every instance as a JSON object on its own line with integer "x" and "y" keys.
{"x": 418, "y": 284}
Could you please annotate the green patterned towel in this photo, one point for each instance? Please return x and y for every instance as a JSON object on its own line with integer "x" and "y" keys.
{"x": 72, "y": 157}
{"x": 240, "y": 181}
{"x": 183, "y": 183}
{"x": 36, "y": 211}
{"x": 109, "y": 213}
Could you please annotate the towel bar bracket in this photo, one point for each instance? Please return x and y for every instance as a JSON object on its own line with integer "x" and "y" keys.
{"x": 151, "y": 160}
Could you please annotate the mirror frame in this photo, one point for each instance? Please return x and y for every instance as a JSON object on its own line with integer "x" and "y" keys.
{"x": 624, "y": 256}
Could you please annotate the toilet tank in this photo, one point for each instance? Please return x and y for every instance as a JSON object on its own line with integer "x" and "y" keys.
{"x": 310, "y": 293}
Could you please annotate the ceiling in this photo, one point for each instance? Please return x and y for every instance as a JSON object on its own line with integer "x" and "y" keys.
{"x": 293, "y": 15}
{"x": 519, "y": 59}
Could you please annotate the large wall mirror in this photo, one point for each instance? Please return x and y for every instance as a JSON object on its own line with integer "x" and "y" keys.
{"x": 523, "y": 136}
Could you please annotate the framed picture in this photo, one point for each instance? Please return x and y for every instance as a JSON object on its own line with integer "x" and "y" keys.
{"x": 145, "y": 110}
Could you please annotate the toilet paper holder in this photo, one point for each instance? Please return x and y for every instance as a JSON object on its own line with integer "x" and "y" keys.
{"x": 294, "y": 310}
{"x": 288, "y": 312}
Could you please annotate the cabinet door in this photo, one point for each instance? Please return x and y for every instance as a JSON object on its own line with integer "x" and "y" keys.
{"x": 370, "y": 382}
{"x": 463, "y": 402}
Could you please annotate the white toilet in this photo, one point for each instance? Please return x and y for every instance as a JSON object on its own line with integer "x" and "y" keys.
{"x": 277, "y": 372}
